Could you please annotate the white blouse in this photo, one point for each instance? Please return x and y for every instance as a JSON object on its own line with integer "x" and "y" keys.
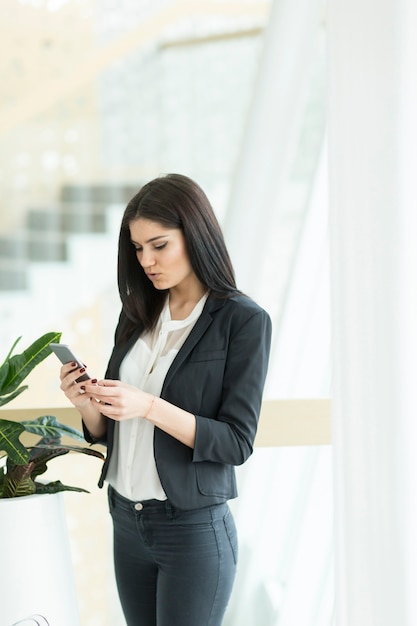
{"x": 132, "y": 469}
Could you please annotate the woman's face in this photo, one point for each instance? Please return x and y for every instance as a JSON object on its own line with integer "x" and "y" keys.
{"x": 162, "y": 254}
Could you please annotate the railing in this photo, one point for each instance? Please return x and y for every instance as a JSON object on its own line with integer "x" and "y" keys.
{"x": 282, "y": 422}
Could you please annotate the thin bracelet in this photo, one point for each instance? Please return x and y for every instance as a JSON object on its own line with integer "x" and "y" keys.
{"x": 150, "y": 408}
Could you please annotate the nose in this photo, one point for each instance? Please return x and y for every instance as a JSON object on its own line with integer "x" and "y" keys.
{"x": 146, "y": 258}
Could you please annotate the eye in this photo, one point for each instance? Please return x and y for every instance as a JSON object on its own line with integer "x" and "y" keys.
{"x": 161, "y": 246}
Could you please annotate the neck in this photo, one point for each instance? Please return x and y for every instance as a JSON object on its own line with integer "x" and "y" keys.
{"x": 182, "y": 301}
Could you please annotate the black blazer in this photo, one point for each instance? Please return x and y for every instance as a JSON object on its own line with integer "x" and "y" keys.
{"x": 218, "y": 375}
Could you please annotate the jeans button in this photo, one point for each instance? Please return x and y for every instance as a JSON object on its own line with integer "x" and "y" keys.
{"x": 138, "y": 506}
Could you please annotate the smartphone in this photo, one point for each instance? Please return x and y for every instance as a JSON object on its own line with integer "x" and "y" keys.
{"x": 66, "y": 355}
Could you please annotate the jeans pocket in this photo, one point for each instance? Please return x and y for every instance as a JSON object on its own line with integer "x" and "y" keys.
{"x": 231, "y": 532}
{"x": 110, "y": 501}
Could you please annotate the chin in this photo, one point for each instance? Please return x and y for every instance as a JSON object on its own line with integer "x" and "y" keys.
{"x": 160, "y": 286}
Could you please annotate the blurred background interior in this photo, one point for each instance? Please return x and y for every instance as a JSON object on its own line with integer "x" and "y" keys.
{"x": 96, "y": 98}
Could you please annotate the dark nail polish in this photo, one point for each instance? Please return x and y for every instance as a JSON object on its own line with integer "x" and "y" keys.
{"x": 73, "y": 365}
{"x": 94, "y": 380}
{"x": 82, "y": 387}
{"x": 82, "y": 370}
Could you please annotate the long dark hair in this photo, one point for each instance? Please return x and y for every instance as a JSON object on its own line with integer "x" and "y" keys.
{"x": 174, "y": 201}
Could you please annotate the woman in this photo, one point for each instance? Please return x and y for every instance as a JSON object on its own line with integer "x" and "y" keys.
{"x": 178, "y": 407}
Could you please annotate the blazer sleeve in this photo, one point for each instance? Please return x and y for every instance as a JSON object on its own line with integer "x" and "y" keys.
{"x": 229, "y": 438}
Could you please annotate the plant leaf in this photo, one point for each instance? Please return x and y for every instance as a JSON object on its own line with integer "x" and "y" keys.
{"x": 19, "y": 479}
{"x": 18, "y": 483}
{"x": 48, "y": 426}
{"x": 10, "y": 442}
{"x": 15, "y": 368}
{"x": 40, "y": 458}
{"x": 4, "y": 366}
{"x": 12, "y": 349}
{"x": 2, "y": 476}
{"x": 41, "y": 454}
{"x": 13, "y": 395}
{"x": 55, "y": 487}
{"x": 57, "y": 450}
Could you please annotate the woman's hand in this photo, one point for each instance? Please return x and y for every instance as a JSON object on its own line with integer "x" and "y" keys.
{"x": 73, "y": 390}
{"x": 118, "y": 400}
{"x": 86, "y": 403}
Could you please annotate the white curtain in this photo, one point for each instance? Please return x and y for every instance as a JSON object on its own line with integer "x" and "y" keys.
{"x": 276, "y": 230}
{"x": 373, "y": 198}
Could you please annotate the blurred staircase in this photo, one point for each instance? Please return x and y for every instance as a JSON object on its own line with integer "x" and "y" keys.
{"x": 62, "y": 267}
{"x": 48, "y": 232}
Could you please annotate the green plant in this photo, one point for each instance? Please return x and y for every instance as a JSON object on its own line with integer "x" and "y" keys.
{"x": 21, "y": 465}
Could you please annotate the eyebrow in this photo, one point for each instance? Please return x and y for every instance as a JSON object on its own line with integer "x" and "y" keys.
{"x": 149, "y": 240}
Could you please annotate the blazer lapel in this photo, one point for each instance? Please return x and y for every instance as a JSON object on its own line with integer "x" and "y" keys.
{"x": 200, "y": 327}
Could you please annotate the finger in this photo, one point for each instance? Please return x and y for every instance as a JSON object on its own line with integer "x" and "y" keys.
{"x": 107, "y": 382}
{"x": 70, "y": 386}
{"x": 98, "y": 390}
{"x": 70, "y": 378}
{"x": 109, "y": 411}
{"x": 67, "y": 369}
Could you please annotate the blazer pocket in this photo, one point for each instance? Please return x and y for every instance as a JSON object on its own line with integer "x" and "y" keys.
{"x": 208, "y": 355}
{"x": 215, "y": 479}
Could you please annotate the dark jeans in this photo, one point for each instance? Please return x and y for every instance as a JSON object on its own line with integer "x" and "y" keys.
{"x": 173, "y": 568}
